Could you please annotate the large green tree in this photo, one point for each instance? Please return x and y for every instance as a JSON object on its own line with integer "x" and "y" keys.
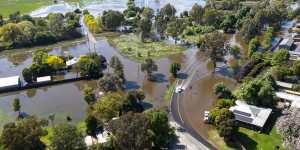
{"x": 149, "y": 66}
{"x": 131, "y": 132}
{"x": 111, "y": 20}
{"x": 66, "y": 136}
{"x": 24, "y": 134}
{"x": 197, "y": 13}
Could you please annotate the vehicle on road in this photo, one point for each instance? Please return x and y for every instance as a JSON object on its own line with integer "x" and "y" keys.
{"x": 178, "y": 89}
{"x": 206, "y": 114}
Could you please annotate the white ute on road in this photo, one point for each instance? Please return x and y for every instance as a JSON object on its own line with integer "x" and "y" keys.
{"x": 178, "y": 89}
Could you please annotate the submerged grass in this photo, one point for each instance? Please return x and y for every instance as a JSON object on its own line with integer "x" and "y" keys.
{"x": 169, "y": 93}
{"x": 131, "y": 46}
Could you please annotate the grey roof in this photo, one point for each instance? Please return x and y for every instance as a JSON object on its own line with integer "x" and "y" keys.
{"x": 250, "y": 114}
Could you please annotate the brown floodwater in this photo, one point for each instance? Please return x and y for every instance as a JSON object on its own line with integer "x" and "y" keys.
{"x": 67, "y": 99}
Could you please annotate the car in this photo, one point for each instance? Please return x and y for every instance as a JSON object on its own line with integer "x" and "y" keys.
{"x": 206, "y": 114}
{"x": 178, "y": 89}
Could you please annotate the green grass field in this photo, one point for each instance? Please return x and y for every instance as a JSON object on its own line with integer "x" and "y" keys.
{"x": 250, "y": 139}
{"x": 132, "y": 47}
{"x": 24, "y": 6}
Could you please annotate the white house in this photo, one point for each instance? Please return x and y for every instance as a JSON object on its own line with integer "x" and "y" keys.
{"x": 44, "y": 79}
{"x": 292, "y": 98}
{"x": 250, "y": 114}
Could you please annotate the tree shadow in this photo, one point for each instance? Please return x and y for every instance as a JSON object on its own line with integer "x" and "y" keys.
{"x": 182, "y": 76}
{"x": 131, "y": 85}
{"x": 146, "y": 105}
{"x": 276, "y": 113}
{"x": 246, "y": 141}
{"x": 159, "y": 77}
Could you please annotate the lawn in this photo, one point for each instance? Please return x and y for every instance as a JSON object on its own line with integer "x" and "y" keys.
{"x": 24, "y": 6}
{"x": 169, "y": 93}
{"x": 250, "y": 139}
{"x": 254, "y": 140}
{"x": 131, "y": 46}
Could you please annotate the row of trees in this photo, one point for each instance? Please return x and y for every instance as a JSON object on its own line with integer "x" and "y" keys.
{"x": 27, "y": 31}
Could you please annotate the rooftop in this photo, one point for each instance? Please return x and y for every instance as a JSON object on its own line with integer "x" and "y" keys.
{"x": 293, "y": 98}
{"x": 72, "y": 61}
{"x": 250, "y": 114}
{"x": 43, "y": 79}
{"x": 9, "y": 81}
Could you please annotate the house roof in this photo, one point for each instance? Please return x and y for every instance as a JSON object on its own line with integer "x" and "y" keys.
{"x": 9, "y": 81}
{"x": 284, "y": 84}
{"x": 250, "y": 114}
{"x": 72, "y": 61}
{"x": 295, "y": 99}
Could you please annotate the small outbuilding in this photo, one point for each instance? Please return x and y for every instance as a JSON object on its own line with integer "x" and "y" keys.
{"x": 44, "y": 79}
{"x": 72, "y": 62}
{"x": 286, "y": 44}
{"x": 10, "y": 83}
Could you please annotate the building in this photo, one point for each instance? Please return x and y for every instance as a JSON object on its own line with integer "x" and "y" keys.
{"x": 286, "y": 44}
{"x": 249, "y": 114}
{"x": 44, "y": 79}
{"x": 289, "y": 96}
{"x": 10, "y": 83}
{"x": 102, "y": 138}
{"x": 72, "y": 62}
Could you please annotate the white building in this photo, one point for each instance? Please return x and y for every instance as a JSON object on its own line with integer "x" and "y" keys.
{"x": 101, "y": 138}
{"x": 293, "y": 98}
{"x": 10, "y": 82}
{"x": 250, "y": 114}
{"x": 44, "y": 79}
{"x": 286, "y": 44}
{"x": 72, "y": 62}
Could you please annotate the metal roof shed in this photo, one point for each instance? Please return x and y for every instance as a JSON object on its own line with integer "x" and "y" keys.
{"x": 10, "y": 82}
{"x": 43, "y": 79}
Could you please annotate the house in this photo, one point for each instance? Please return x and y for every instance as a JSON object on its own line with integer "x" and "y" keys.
{"x": 102, "y": 138}
{"x": 10, "y": 82}
{"x": 251, "y": 115}
{"x": 286, "y": 44}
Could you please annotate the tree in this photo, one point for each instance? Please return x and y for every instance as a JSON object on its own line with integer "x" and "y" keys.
{"x": 280, "y": 57}
{"x": 228, "y": 129}
{"x": 149, "y": 66}
{"x": 217, "y": 116}
{"x": 110, "y": 83}
{"x": 89, "y": 95}
{"x": 112, "y": 19}
{"x": 55, "y": 62}
{"x": 288, "y": 126}
{"x": 259, "y": 92}
{"x": 145, "y": 26}
{"x": 175, "y": 27}
{"x": 168, "y": 10}
{"x": 253, "y": 46}
{"x": 91, "y": 65}
{"x": 110, "y": 105}
{"x": 117, "y": 65}
{"x": 249, "y": 29}
{"x": 222, "y": 91}
{"x": 213, "y": 17}
{"x": 17, "y": 106}
{"x": 175, "y": 67}
{"x": 56, "y": 24}
{"x": 229, "y": 23}
{"x": 148, "y": 13}
{"x": 133, "y": 101}
{"x": 213, "y": 43}
{"x": 92, "y": 124}
{"x": 51, "y": 117}
{"x": 9, "y": 33}
{"x": 131, "y": 132}
{"x": 161, "y": 24}
{"x": 224, "y": 103}
{"x": 163, "y": 133}
{"x": 296, "y": 68}
{"x": 40, "y": 57}
{"x": 1, "y": 20}
{"x": 197, "y": 13}
{"x": 67, "y": 136}
{"x": 24, "y": 134}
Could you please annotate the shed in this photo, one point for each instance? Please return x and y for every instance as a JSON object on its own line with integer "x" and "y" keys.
{"x": 44, "y": 79}
{"x": 72, "y": 61}
{"x": 10, "y": 82}
{"x": 286, "y": 43}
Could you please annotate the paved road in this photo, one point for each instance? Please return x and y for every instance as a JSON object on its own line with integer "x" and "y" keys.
{"x": 190, "y": 134}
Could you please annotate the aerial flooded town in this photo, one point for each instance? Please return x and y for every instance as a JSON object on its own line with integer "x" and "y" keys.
{"x": 149, "y": 75}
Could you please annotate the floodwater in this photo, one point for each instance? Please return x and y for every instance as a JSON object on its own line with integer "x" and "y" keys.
{"x": 96, "y": 7}
{"x": 67, "y": 99}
